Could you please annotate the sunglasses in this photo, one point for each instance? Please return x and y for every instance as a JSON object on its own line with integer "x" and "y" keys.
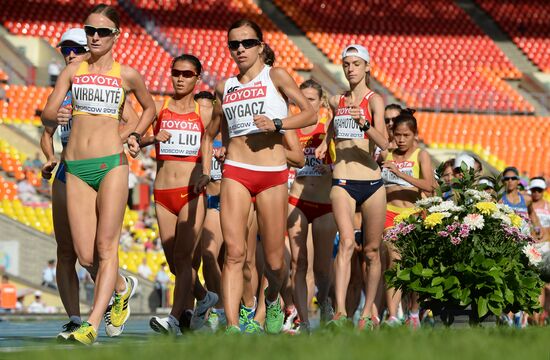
{"x": 101, "y": 32}
{"x": 77, "y": 50}
{"x": 387, "y": 120}
{"x": 537, "y": 190}
{"x": 185, "y": 73}
{"x": 247, "y": 44}
{"x": 510, "y": 178}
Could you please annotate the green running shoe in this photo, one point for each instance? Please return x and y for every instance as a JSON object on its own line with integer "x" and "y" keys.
{"x": 253, "y": 327}
{"x": 232, "y": 330}
{"x": 274, "y": 318}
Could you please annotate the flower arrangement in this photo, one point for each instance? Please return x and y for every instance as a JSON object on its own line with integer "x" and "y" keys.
{"x": 468, "y": 251}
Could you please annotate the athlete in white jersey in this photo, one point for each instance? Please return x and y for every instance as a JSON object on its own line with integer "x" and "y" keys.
{"x": 255, "y": 110}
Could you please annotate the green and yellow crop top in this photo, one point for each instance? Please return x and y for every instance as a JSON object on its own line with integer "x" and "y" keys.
{"x": 98, "y": 94}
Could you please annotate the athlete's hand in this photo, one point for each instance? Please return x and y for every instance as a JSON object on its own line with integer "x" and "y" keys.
{"x": 47, "y": 168}
{"x": 264, "y": 123}
{"x": 356, "y": 114}
{"x": 322, "y": 169}
{"x": 390, "y": 165}
{"x": 64, "y": 115}
{"x": 219, "y": 153}
{"x": 321, "y": 151}
{"x": 162, "y": 136}
{"x": 201, "y": 184}
{"x": 133, "y": 147}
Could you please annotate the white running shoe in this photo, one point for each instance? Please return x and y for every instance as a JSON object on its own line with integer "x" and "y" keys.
{"x": 110, "y": 329}
{"x": 201, "y": 310}
{"x": 165, "y": 325}
{"x": 290, "y": 315}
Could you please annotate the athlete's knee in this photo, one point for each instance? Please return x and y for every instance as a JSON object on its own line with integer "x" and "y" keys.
{"x": 275, "y": 264}
{"x": 86, "y": 261}
{"x": 372, "y": 252}
{"x": 346, "y": 245}
{"x": 235, "y": 255}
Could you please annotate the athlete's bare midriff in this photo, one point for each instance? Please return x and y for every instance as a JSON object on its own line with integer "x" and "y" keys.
{"x": 402, "y": 197}
{"x": 354, "y": 161}
{"x": 312, "y": 188}
{"x": 93, "y": 137}
{"x": 176, "y": 174}
{"x": 257, "y": 149}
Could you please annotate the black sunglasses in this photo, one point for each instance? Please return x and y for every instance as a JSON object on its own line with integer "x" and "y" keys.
{"x": 185, "y": 73}
{"x": 387, "y": 120}
{"x": 77, "y": 50}
{"x": 510, "y": 178}
{"x": 102, "y": 31}
{"x": 247, "y": 43}
{"x": 536, "y": 190}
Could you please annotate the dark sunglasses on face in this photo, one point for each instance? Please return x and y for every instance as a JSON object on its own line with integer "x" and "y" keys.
{"x": 388, "y": 120}
{"x": 101, "y": 32}
{"x": 247, "y": 43}
{"x": 537, "y": 190}
{"x": 185, "y": 73}
{"x": 77, "y": 50}
{"x": 510, "y": 178}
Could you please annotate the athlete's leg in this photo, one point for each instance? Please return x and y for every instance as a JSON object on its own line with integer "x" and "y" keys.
{"x": 235, "y": 200}
{"x": 250, "y": 274}
{"x": 324, "y": 231}
{"x": 167, "y": 231}
{"x": 111, "y": 204}
{"x": 286, "y": 291}
{"x": 343, "y": 207}
{"x": 310, "y": 274}
{"x": 272, "y": 208}
{"x": 374, "y": 217}
{"x": 211, "y": 241}
{"x": 67, "y": 278}
{"x": 190, "y": 220}
{"x": 297, "y": 234}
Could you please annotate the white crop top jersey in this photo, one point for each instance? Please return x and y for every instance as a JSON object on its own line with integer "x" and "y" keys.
{"x": 241, "y": 102}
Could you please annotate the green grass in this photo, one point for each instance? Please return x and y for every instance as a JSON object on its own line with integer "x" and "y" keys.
{"x": 486, "y": 344}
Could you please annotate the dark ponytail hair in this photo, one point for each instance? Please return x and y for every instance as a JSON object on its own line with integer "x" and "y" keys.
{"x": 406, "y": 117}
{"x": 249, "y": 23}
{"x": 268, "y": 55}
{"x": 108, "y": 11}
{"x": 189, "y": 58}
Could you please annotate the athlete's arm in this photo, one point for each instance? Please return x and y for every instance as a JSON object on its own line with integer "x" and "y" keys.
{"x": 55, "y": 100}
{"x": 321, "y": 150}
{"x": 131, "y": 120}
{"x": 532, "y": 213}
{"x": 377, "y": 132}
{"x": 136, "y": 84}
{"x": 293, "y": 149}
{"x": 224, "y": 130}
{"x": 162, "y": 135}
{"x": 46, "y": 144}
{"x": 286, "y": 85}
{"x": 214, "y": 115}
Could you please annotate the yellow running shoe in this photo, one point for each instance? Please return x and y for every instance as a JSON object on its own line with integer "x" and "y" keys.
{"x": 85, "y": 334}
{"x": 120, "y": 311}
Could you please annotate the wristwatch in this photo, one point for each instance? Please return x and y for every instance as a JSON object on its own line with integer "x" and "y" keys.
{"x": 365, "y": 127}
{"x": 278, "y": 125}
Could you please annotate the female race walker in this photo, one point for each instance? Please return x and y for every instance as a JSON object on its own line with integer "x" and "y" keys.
{"x": 97, "y": 170}
{"x": 74, "y": 48}
{"x": 358, "y": 119}
{"x": 178, "y": 132}
{"x": 255, "y": 110}
{"x": 541, "y": 206}
{"x": 407, "y": 172}
{"x": 309, "y": 203}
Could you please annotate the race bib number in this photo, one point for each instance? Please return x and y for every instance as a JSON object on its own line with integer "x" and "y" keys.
{"x": 344, "y": 125}
{"x": 97, "y": 94}
{"x": 216, "y": 169}
{"x": 182, "y": 143}
{"x": 309, "y": 168}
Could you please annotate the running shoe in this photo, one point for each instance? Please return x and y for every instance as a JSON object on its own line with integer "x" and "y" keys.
{"x": 505, "y": 320}
{"x": 85, "y": 334}
{"x": 291, "y": 314}
{"x": 232, "y": 330}
{"x": 110, "y": 329}
{"x": 339, "y": 321}
{"x": 303, "y": 328}
{"x": 413, "y": 322}
{"x": 201, "y": 310}
{"x": 166, "y": 325}
{"x": 253, "y": 327}
{"x": 68, "y": 328}
{"x": 120, "y": 311}
{"x": 393, "y": 322}
{"x": 365, "y": 323}
{"x": 216, "y": 320}
{"x": 327, "y": 312}
{"x": 246, "y": 315}
{"x": 274, "y": 317}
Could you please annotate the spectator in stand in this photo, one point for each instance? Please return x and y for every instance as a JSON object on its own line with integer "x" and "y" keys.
{"x": 8, "y": 295}
{"x": 37, "y": 163}
{"x": 144, "y": 270}
{"x": 133, "y": 181}
{"x": 48, "y": 275}
{"x": 162, "y": 280}
{"x": 37, "y": 306}
{"x": 54, "y": 69}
